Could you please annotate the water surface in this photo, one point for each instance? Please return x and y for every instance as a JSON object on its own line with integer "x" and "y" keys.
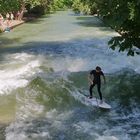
{"x": 43, "y": 77}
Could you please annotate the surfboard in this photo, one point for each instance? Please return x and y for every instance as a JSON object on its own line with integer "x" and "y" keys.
{"x": 96, "y": 102}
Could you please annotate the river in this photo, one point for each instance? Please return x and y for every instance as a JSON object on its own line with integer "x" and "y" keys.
{"x": 43, "y": 76}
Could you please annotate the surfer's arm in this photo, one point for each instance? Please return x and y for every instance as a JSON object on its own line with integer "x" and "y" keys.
{"x": 102, "y": 74}
{"x": 90, "y": 78}
{"x": 104, "y": 78}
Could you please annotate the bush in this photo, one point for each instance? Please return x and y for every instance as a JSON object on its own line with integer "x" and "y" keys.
{"x": 76, "y": 6}
{"x": 79, "y": 7}
{"x": 37, "y": 10}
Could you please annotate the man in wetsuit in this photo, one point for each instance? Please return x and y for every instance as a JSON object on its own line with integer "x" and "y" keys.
{"x": 95, "y": 79}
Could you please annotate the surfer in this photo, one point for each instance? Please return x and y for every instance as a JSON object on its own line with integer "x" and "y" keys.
{"x": 94, "y": 79}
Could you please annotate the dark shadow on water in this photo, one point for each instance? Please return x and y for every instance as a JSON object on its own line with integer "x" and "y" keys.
{"x": 60, "y": 47}
{"x": 90, "y": 21}
{"x": 75, "y": 14}
{"x": 37, "y": 20}
{"x": 5, "y": 41}
{"x": 54, "y": 47}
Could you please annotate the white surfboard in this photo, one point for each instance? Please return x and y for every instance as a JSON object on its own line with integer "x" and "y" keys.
{"x": 96, "y": 102}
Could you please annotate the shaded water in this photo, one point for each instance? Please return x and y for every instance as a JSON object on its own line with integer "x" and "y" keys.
{"x": 43, "y": 77}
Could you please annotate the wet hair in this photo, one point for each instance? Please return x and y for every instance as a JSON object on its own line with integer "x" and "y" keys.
{"x": 98, "y": 68}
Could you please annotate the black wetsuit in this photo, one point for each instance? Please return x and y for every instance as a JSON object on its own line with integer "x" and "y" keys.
{"x": 96, "y": 81}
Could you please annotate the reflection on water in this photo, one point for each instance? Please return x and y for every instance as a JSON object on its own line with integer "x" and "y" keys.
{"x": 43, "y": 79}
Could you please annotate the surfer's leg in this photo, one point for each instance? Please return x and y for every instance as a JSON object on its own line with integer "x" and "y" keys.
{"x": 90, "y": 90}
{"x": 99, "y": 90}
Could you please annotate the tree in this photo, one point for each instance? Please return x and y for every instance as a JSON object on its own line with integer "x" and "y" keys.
{"x": 81, "y": 7}
{"x": 9, "y": 5}
{"x": 123, "y": 16}
{"x": 15, "y": 5}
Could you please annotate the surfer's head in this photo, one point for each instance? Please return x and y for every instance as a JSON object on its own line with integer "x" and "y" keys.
{"x": 98, "y": 68}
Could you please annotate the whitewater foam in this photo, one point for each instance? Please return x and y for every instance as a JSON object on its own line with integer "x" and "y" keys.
{"x": 107, "y": 138}
{"x": 13, "y": 77}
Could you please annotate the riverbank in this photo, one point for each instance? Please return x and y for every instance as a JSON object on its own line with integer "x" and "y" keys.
{"x": 12, "y": 24}
{"x": 15, "y": 23}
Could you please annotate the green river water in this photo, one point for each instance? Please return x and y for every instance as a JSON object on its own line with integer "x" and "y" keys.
{"x": 43, "y": 79}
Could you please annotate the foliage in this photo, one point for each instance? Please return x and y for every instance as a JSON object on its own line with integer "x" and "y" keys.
{"x": 45, "y": 6}
{"x": 123, "y": 16}
{"x": 124, "y": 43}
{"x": 80, "y": 7}
{"x": 9, "y": 5}
{"x": 92, "y": 5}
{"x": 15, "y": 5}
{"x": 61, "y": 4}
{"x": 76, "y": 6}
{"x": 33, "y": 3}
{"x": 58, "y": 4}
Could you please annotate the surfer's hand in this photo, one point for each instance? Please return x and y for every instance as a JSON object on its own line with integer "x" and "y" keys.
{"x": 91, "y": 82}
